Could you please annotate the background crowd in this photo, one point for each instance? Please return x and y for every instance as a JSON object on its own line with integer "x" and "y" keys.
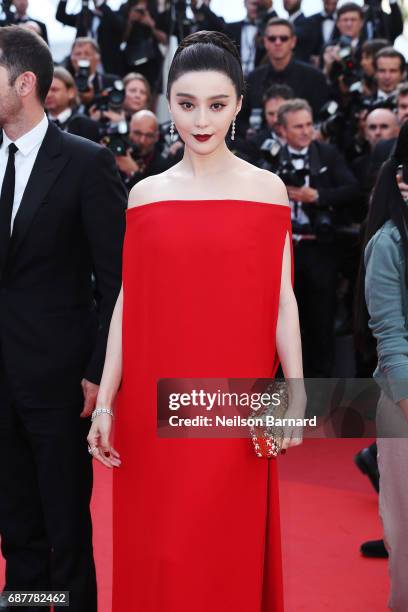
{"x": 326, "y": 96}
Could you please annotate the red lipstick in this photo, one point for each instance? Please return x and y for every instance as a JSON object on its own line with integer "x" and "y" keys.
{"x": 202, "y": 137}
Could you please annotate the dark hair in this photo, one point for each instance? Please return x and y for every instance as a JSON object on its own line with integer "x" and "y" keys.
{"x": 390, "y": 52}
{"x": 350, "y": 7}
{"x": 24, "y": 51}
{"x": 206, "y": 50}
{"x": 278, "y": 90}
{"x": 280, "y": 21}
{"x": 402, "y": 90}
{"x": 386, "y": 203}
{"x": 371, "y": 47}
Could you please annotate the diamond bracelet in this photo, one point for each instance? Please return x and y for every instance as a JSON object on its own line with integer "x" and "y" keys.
{"x": 99, "y": 411}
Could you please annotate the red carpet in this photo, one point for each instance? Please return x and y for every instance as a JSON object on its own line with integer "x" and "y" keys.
{"x": 328, "y": 508}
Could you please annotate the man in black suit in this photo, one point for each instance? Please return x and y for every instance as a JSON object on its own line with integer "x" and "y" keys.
{"x": 306, "y": 81}
{"x": 247, "y": 34}
{"x": 62, "y": 212}
{"x": 319, "y": 186}
{"x": 103, "y": 24}
{"x": 322, "y": 28}
{"x": 303, "y": 33}
{"x": 21, "y": 17}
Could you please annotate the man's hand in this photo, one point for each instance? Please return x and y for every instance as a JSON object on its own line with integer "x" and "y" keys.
{"x": 308, "y": 195}
{"x": 90, "y": 391}
{"x": 148, "y": 20}
{"x": 127, "y": 164}
{"x": 86, "y": 97}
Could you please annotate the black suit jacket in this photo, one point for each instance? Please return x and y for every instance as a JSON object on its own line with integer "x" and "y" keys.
{"x": 305, "y": 80}
{"x": 315, "y": 31}
{"x": 383, "y": 25}
{"x": 234, "y": 31}
{"x": 110, "y": 33}
{"x": 304, "y": 38}
{"x": 331, "y": 176}
{"x": 70, "y": 225}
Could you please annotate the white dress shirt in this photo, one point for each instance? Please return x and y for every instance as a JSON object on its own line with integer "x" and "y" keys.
{"x": 328, "y": 26}
{"x": 249, "y": 33}
{"x": 62, "y": 117}
{"x": 28, "y": 146}
{"x": 298, "y": 214}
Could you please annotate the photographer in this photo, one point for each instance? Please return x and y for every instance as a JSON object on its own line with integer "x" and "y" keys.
{"x": 281, "y": 68}
{"x": 319, "y": 186}
{"x": 143, "y": 157}
{"x": 62, "y": 106}
{"x": 269, "y": 135}
{"x": 62, "y": 98}
{"x": 100, "y": 22}
{"x": 341, "y": 58}
{"x": 145, "y": 29}
{"x": 83, "y": 64}
{"x": 369, "y": 50}
{"x": 138, "y": 95}
{"x": 389, "y": 72}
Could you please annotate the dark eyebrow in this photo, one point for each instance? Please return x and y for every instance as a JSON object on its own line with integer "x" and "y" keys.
{"x": 186, "y": 95}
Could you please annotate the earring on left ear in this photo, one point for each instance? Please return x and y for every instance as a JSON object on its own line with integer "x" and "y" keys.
{"x": 172, "y": 130}
{"x": 233, "y": 130}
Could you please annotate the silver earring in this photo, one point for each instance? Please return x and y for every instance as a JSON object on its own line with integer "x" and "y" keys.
{"x": 233, "y": 130}
{"x": 172, "y": 130}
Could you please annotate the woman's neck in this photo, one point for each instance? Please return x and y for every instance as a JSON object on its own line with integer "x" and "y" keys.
{"x": 201, "y": 166}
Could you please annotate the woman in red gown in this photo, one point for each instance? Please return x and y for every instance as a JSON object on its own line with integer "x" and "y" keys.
{"x": 207, "y": 293}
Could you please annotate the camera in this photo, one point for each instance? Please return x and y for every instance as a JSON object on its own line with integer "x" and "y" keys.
{"x": 111, "y": 98}
{"x": 116, "y": 137}
{"x": 270, "y": 149}
{"x": 321, "y": 221}
{"x": 346, "y": 67}
{"x": 331, "y": 122}
{"x": 291, "y": 176}
{"x": 82, "y": 76}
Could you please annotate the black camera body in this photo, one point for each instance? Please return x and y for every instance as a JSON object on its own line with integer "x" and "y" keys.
{"x": 289, "y": 174}
{"x": 115, "y": 137}
{"x": 112, "y": 98}
{"x": 82, "y": 76}
{"x": 332, "y": 123}
{"x": 321, "y": 219}
{"x": 346, "y": 67}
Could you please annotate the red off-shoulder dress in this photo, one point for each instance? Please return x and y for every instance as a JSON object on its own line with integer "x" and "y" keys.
{"x": 196, "y": 523}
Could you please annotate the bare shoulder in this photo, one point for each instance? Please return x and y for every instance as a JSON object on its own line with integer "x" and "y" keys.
{"x": 142, "y": 192}
{"x": 269, "y": 187}
{"x": 152, "y": 188}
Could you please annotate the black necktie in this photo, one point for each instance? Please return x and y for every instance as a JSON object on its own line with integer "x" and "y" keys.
{"x": 6, "y": 203}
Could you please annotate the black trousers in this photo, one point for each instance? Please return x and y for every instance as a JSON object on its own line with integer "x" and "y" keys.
{"x": 46, "y": 485}
{"x": 315, "y": 268}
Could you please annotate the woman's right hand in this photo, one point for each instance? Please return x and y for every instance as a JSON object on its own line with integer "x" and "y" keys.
{"x": 98, "y": 440}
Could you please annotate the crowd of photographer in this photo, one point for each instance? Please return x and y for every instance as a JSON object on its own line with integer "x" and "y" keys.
{"x": 326, "y": 96}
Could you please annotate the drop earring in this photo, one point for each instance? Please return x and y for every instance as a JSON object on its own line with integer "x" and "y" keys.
{"x": 233, "y": 130}
{"x": 172, "y": 130}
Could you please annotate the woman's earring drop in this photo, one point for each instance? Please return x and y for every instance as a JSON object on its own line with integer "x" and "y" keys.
{"x": 233, "y": 130}
{"x": 172, "y": 130}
